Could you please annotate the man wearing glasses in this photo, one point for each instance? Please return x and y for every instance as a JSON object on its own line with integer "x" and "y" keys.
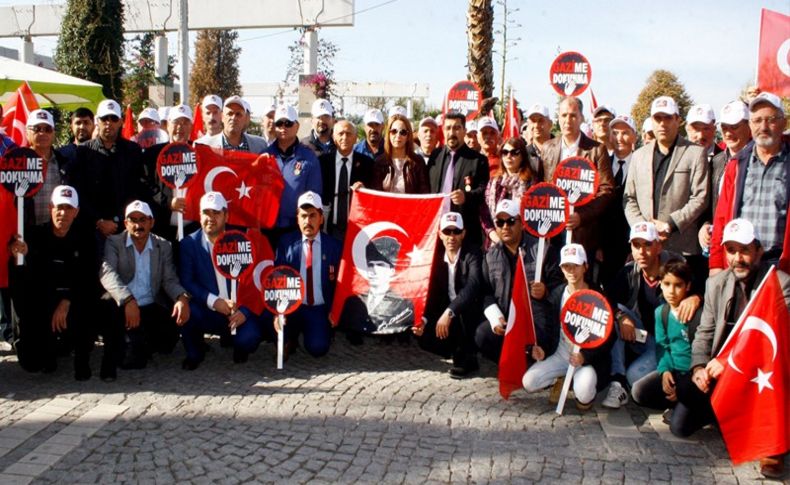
{"x": 499, "y": 265}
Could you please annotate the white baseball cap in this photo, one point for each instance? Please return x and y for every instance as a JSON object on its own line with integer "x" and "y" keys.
{"x": 766, "y": 97}
{"x": 163, "y": 113}
{"x": 212, "y": 100}
{"x": 471, "y": 126}
{"x": 664, "y": 104}
{"x": 310, "y": 199}
{"x": 624, "y": 119}
{"x": 236, "y": 99}
{"x": 322, "y": 107}
{"x": 741, "y": 231}
{"x": 601, "y": 108}
{"x": 538, "y": 109}
{"x": 647, "y": 125}
{"x": 180, "y": 111}
{"x": 138, "y": 206}
{"x": 271, "y": 109}
{"x": 108, "y": 107}
{"x": 487, "y": 122}
{"x": 507, "y": 206}
{"x": 573, "y": 254}
{"x": 214, "y": 201}
{"x": 65, "y": 194}
{"x": 701, "y": 113}
{"x": 451, "y": 219}
{"x": 149, "y": 114}
{"x": 40, "y": 117}
{"x": 285, "y": 112}
{"x": 398, "y": 110}
{"x": 373, "y": 116}
{"x": 644, "y": 230}
{"x": 733, "y": 113}
{"x": 428, "y": 120}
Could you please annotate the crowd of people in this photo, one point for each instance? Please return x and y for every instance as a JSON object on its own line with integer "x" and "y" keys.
{"x": 678, "y": 235}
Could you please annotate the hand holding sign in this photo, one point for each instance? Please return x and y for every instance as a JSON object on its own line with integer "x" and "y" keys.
{"x": 283, "y": 292}
{"x": 233, "y": 255}
{"x": 176, "y": 166}
{"x": 579, "y": 178}
{"x": 544, "y": 210}
{"x": 22, "y": 172}
{"x": 21, "y": 188}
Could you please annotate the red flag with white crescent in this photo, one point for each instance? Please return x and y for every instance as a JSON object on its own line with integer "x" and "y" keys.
{"x": 773, "y": 63}
{"x": 386, "y": 265}
{"x": 128, "y": 130}
{"x": 197, "y": 123}
{"x": 15, "y": 112}
{"x": 512, "y": 124}
{"x": 251, "y": 183}
{"x": 752, "y": 395}
{"x": 249, "y": 290}
{"x": 519, "y": 333}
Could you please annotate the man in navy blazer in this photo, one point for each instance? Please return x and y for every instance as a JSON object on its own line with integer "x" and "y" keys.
{"x": 316, "y": 256}
{"x": 211, "y": 309}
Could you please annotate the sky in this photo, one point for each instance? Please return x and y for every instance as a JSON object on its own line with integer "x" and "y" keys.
{"x": 710, "y": 45}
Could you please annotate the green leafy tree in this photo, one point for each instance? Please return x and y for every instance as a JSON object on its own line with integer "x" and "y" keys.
{"x": 216, "y": 66}
{"x": 90, "y": 45}
{"x": 660, "y": 83}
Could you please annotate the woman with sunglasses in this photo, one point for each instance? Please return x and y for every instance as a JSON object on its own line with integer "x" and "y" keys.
{"x": 512, "y": 179}
{"x": 399, "y": 169}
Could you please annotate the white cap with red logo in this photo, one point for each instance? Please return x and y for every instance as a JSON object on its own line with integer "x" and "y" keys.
{"x": 451, "y": 219}
{"x": 701, "y": 113}
{"x": 664, "y": 104}
{"x": 138, "y": 206}
{"x": 573, "y": 254}
{"x": 733, "y": 113}
{"x": 309, "y": 199}
{"x": 214, "y": 201}
{"x": 741, "y": 231}
{"x": 508, "y": 207}
{"x": 40, "y": 117}
{"x": 644, "y": 230}
{"x": 65, "y": 194}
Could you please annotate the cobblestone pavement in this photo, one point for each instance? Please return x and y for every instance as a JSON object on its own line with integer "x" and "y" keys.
{"x": 371, "y": 414}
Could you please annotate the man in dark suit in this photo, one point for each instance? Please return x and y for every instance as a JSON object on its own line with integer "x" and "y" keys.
{"x": 212, "y": 309}
{"x": 341, "y": 169}
{"x": 461, "y": 172}
{"x": 452, "y": 308}
{"x": 316, "y": 256}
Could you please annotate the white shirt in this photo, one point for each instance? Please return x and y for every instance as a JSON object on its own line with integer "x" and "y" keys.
{"x": 451, "y": 267}
{"x": 616, "y": 165}
{"x": 221, "y": 280}
{"x": 318, "y": 296}
{"x": 569, "y": 151}
{"x": 338, "y": 165}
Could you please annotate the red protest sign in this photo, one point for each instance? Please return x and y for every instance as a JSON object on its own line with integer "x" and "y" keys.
{"x": 233, "y": 254}
{"x": 22, "y": 172}
{"x": 283, "y": 290}
{"x": 587, "y": 319}
{"x": 578, "y": 178}
{"x": 465, "y": 98}
{"x": 176, "y": 165}
{"x": 544, "y": 210}
{"x": 570, "y": 74}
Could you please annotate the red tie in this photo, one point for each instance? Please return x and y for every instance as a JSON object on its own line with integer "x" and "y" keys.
{"x": 308, "y": 267}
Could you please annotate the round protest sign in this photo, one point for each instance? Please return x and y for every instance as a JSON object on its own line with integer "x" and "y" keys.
{"x": 544, "y": 210}
{"x": 465, "y": 98}
{"x": 176, "y": 165}
{"x": 578, "y": 178}
{"x": 283, "y": 290}
{"x": 587, "y": 319}
{"x": 233, "y": 254}
{"x": 22, "y": 172}
{"x": 570, "y": 74}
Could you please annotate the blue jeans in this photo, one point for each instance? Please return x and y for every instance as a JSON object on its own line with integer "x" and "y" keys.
{"x": 644, "y": 364}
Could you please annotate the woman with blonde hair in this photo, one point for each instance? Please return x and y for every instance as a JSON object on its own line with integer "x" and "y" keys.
{"x": 399, "y": 169}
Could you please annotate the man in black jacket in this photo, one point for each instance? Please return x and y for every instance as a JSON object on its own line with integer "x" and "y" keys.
{"x": 452, "y": 309}
{"x": 461, "y": 172}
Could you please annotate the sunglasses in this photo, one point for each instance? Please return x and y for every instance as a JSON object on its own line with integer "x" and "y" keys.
{"x": 111, "y": 118}
{"x": 452, "y": 232}
{"x": 40, "y": 129}
{"x": 402, "y": 132}
{"x": 137, "y": 220}
{"x": 506, "y": 152}
{"x": 506, "y": 222}
{"x": 285, "y": 123}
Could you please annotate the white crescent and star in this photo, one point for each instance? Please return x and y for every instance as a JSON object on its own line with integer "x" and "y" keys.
{"x": 258, "y": 271}
{"x": 781, "y": 57}
{"x": 755, "y": 323}
{"x": 208, "y": 182}
{"x": 363, "y": 238}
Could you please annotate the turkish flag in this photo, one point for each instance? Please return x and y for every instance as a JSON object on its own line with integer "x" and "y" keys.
{"x": 512, "y": 124}
{"x": 386, "y": 265}
{"x": 250, "y": 283}
{"x": 197, "y": 123}
{"x": 519, "y": 333}
{"x": 251, "y": 183}
{"x": 128, "y": 130}
{"x": 773, "y": 63}
{"x": 15, "y": 112}
{"x": 752, "y": 395}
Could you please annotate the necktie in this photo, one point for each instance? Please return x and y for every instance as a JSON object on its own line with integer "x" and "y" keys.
{"x": 342, "y": 196}
{"x": 447, "y": 185}
{"x": 618, "y": 179}
{"x": 308, "y": 269}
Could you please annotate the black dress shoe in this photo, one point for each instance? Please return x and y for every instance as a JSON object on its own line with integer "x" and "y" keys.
{"x": 108, "y": 373}
{"x": 772, "y": 466}
{"x": 82, "y": 371}
{"x": 462, "y": 372}
{"x": 354, "y": 338}
{"x": 189, "y": 364}
{"x": 226, "y": 341}
{"x": 240, "y": 356}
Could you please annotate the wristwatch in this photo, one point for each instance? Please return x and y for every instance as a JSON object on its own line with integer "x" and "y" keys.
{"x": 450, "y": 313}
{"x": 186, "y": 296}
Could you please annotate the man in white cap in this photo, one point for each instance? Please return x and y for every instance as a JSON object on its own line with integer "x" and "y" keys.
{"x": 212, "y": 114}
{"x": 726, "y": 296}
{"x": 471, "y": 136}
{"x": 648, "y": 135}
{"x": 149, "y": 130}
{"x": 539, "y": 126}
{"x": 602, "y": 117}
{"x": 235, "y": 120}
{"x": 298, "y": 165}
{"x": 488, "y": 137}
{"x": 211, "y": 309}
{"x": 320, "y": 138}
{"x": 428, "y": 138}
{"x": 108, "y": 172}
{"x": 54, "y": 291}
{"x": 667, "y": 183}
{"x": 179, "y": 124}
{"x": 267, "y": 125}
{"x": 398, "y": 110}
{"x": 373, "y": 144}
{"x": 40, "y": 132}
{"x": 757, "y": 186}
{"x": 316, "y": 255}
{"x": 701, "y": 128}
{"x": 452, "y": 307}
{"x": 734, "y": 126}
{"x": 499, "y": 266}
{"x": 144, "y": 299}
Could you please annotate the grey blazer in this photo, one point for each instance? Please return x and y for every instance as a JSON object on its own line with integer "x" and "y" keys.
{"x": 684, "y": 193}
{"x": 257, "y": 143}
{"x": 118, "y": 267}
{"x": 719, "y": 292}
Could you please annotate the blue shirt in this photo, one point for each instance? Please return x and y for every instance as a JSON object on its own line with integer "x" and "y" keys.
{"x": 140, "y": 286}
{"x": 363, "y": 148}
{"x": 301, "y": 172}
{"x": 6, "y": 144}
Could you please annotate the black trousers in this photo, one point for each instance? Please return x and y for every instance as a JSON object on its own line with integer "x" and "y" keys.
{"x": 459, "y": 344}
{"x": 157, "y": 332}
{"x": 694, "y": 405}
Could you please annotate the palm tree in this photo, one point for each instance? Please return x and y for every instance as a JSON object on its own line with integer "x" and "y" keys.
{"x": 480, "y": 38}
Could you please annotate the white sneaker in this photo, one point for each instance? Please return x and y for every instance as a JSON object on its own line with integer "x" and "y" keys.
{"x": 616, "y": 396}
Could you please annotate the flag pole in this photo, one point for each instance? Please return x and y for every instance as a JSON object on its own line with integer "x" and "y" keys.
{"x": 567, "y": 384}
{"x": 746, "y": 310}
{"x": 233, "y": 292}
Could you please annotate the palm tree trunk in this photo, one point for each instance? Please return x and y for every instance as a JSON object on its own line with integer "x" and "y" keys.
{"x": 480, "y": 38}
